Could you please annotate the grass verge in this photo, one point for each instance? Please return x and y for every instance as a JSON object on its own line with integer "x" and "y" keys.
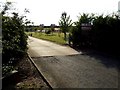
{"x": 55, "y": 37}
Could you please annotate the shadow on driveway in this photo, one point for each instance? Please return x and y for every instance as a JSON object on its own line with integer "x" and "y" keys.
{"x": 110, "y": 61}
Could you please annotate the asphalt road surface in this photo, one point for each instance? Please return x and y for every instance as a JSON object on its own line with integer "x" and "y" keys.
{"x": 64, "y": 67}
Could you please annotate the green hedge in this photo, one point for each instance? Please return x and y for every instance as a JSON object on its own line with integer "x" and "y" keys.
{"x": 14, "y": 39}
{"x": 104, "y": 35}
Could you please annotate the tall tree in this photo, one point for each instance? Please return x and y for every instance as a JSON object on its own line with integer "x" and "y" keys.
{"x": 14, "y": 39}
{"x": 52, "y": 28}
{"x": 65, "y": 22}
{"x": 80, "y": 36}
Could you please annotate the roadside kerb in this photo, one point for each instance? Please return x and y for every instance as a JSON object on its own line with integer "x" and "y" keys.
{"x": 43, "y": 77}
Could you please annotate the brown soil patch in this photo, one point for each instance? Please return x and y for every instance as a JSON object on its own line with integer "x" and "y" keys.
{"x": 28, "y": 77}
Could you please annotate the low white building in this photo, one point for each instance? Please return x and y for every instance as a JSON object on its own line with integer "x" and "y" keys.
{"x": 38, "y": 30}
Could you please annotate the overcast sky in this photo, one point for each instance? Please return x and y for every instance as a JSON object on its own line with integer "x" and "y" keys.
{"x": 49, "y": 11}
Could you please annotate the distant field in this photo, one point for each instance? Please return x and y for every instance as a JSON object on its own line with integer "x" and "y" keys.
{"x": 55, "y": 37}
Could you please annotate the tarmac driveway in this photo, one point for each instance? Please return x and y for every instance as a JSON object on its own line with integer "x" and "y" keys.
{"x": 72, "y": 69}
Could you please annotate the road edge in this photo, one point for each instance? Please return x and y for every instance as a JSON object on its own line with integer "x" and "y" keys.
{"x": 43, "y": 77}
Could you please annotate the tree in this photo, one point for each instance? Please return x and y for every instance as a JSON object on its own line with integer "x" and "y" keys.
{"x": 14, "y": 39}
{"x": 65, "y": 23}
{"x": 106, "y": 33}
{"x": 79, "y": 36}
{"x": 41, "y": 27}
{"x": 52, "y": 28}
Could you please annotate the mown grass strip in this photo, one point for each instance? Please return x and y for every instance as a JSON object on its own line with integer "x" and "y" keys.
{"x": 55, "y": 37}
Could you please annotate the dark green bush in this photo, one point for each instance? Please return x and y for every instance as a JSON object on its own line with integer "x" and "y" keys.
{"x": 104, "y": 34}
{"x": 14, "y": 39}
{"x": 48, "y": 31}
{"x": 81, "y": 37}
{"x": 76, "y": 36}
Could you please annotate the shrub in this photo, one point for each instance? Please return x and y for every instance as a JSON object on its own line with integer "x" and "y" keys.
{"x": 14, "y": 39}
{"x": 48, "y": 31}
{"x": 104, "y": 34}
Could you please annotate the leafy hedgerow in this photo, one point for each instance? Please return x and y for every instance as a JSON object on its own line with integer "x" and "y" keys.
{"x": 14, "y": 39}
